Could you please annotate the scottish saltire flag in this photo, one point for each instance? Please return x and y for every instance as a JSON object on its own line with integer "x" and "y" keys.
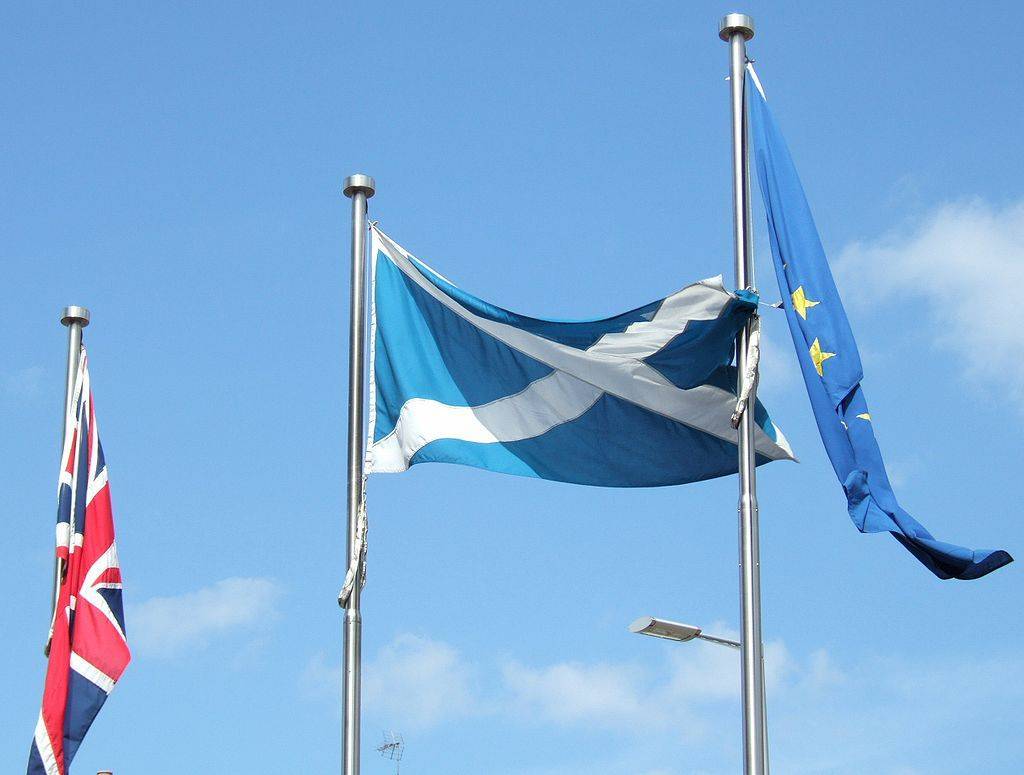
{"x": 831, "y": 364}
{"x": 87, "y": 650}
{"x": 641, "y": 399}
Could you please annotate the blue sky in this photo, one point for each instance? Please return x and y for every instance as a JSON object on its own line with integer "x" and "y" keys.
{"x": 177, "y": 169}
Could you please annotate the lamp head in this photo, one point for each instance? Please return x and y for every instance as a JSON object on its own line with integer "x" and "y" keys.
{"x": 663, "y": 628}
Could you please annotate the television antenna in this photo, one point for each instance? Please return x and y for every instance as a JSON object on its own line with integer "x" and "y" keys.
{"x": 392, "y": 748}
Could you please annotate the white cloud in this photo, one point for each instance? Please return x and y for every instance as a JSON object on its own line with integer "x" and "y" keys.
{"x": 886, "y": 716}
{"x": 418, "y": 682}
{"x": 412, "y": 682}
{"x": 822, "y": 673}
{"x": 682, "y": 708}
{"x": 572, "y": 692}
{"x": 966, "y": 259}
{"x": 629, "y": 696}
{"x": 321, "y": 678}
{"x": 167, "y": 626}
{"x": 898, "y": 716}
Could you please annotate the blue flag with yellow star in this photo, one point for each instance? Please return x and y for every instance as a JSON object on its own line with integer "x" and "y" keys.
{"x": 830, "y": 363}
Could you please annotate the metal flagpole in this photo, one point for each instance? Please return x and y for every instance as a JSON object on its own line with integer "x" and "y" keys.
{"x": 358, "y": 188}
{"x": 75, "y": 318}
{"x": 737, "y": 29}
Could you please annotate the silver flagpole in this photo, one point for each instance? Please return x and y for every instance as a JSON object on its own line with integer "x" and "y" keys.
{"x": 75, "y": 318}
{"x": 358, "y": 188}
{"x": 737, "y": 29}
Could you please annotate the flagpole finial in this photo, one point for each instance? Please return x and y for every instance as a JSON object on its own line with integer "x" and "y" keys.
{"x": 73, "y": 314}
{"x": 736, "y": 22}
{"x": 360, "y": 183}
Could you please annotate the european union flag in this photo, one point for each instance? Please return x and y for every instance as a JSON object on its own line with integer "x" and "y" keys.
{"x": 830, "y": 363}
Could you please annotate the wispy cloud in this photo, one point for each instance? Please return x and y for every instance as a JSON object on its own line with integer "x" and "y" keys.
{"x": 167, "y": 626}
{"x": 320, "y": 678}
{"x": 679, "y": 712}
{"x": 966, "y": 260}
{"x": 631, "y": 696}
{"x": 419, "y": 683}
{"x": 414, "y": 682}
{"x": 576, "y": 693}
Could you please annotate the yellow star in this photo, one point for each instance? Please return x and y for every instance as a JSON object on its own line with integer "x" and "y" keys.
{"x": 819, "y": 356}
{"x": 865, "y": 416}
{"x": 801, "y": 303}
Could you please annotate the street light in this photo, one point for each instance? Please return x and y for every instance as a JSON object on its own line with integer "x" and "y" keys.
{"x": 663, "y": 628}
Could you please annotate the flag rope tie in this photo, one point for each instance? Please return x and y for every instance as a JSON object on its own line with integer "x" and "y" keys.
{"x": 749, "y": 377}
{"x": 357, "y": 559}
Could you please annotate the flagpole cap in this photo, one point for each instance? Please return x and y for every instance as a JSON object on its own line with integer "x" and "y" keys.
{"x": 357, "y": 183}
{"x": 75, "y": 314}
{"x": 736, "y": 22}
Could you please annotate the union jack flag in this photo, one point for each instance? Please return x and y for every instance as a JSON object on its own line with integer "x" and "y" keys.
{"x": 87, "y": 647}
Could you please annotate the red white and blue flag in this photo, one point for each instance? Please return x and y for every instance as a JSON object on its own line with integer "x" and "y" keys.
{"x": 87, "y": 649}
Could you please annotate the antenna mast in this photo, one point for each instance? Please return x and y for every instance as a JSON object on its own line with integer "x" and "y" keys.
{"x": 392, "y": 749}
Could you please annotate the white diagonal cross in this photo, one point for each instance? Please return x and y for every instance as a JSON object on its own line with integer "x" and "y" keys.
{"x": 614, "y": 364}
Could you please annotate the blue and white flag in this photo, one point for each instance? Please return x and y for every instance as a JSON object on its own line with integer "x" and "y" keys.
{"x": 830, "y": 363}
{"x": 641, "y": 399}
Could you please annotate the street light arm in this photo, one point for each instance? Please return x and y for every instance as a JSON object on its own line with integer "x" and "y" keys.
{"x": 721, "y": 641}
